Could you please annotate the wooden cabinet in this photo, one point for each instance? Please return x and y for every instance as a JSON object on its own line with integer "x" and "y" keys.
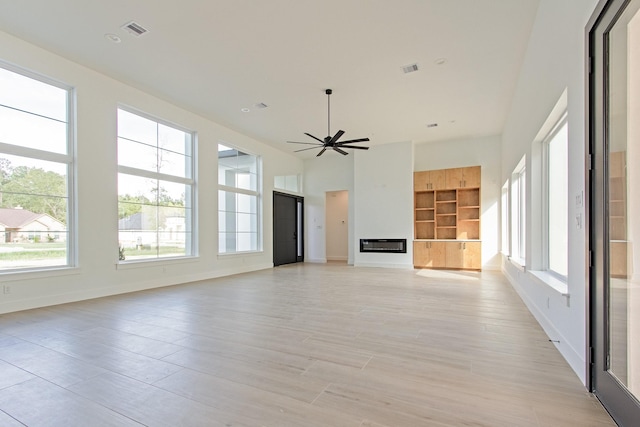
{"x": 471, "y": 177}
{"x": 463, "y": 177}
{"x": 429, "y": 180}
{"x": 447, "y": 254}
{"x": 463, "y": 255}
{"x": 447, "y": 218}
{"x": 429, "y": 254}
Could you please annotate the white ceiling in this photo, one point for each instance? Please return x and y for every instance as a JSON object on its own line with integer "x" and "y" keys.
{"x": 217, "y": 57}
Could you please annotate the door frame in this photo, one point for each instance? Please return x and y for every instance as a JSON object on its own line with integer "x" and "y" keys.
{"x": 618, "y": 401}
{"x": 299, "y": 224}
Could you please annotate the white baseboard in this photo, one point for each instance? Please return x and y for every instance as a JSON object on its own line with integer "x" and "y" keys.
{"x": 573, "y": 357}
{"x": 81, "y": 295}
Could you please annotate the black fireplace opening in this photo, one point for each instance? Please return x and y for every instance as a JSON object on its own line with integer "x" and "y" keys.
{"x": 398, "y": 246}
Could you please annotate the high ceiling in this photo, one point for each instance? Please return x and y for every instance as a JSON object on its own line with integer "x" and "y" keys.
{"x": 217, "y": 57}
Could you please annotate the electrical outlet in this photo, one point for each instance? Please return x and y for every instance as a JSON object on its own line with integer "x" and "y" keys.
{"x": 6, "y": 289}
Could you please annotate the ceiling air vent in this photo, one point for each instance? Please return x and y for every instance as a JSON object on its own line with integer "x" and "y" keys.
{"x": 260, "y": 105}
{"x": 410, "y": 68}
{"x": 134, "y": 28}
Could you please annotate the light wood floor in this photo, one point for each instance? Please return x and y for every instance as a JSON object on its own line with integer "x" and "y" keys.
{"x": 300, "y": 345}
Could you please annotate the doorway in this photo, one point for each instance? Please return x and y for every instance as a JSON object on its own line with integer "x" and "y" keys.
{"x": 614, "y": 207}
{"x": 288, "y": 242}
{"x": 337, "y": 229}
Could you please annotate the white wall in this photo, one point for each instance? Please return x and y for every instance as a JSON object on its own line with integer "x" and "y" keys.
{"x": 555, "y": 60}
{"x": 383, "y": 187}
{"x": 97, "y": 273}
{"x": 379, "y": 183}
{"x": 483, "y": 152}
{"x": 330, "y": 172}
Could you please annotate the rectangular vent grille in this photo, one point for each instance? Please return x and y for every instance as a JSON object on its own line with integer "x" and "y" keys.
{"x": 410, "y": 68}
{"x": 134, "y": 28}
{"x": 260, "y": 105}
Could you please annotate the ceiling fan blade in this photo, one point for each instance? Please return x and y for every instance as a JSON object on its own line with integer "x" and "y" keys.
{"x": 344, "y": 153}
{"x": 305, "y": 149}
{"x": 336, "y": 137}
{"x": 306, "y": 143}
{"x": 321, "y": 151}
{"x": 317, "y": 139}
{"x": 352, "y": 146}
{"x": 353, "y": 140}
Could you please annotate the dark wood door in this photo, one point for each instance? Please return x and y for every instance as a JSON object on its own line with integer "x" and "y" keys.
{"x": 287, "y": 229}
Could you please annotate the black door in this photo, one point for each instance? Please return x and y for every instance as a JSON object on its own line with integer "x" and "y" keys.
{"x": 287, "y": 229}
{"x": 614, "y": 208}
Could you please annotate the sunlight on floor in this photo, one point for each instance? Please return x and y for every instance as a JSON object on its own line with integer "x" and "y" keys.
{"x": 450, "y": 274}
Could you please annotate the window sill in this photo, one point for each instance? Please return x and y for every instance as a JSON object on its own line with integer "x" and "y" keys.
{"x": 552, "y": 281}
{"x": 14, "y": 275}
{"x": 518, "y": 263}
{"x": 144, "y": 263}
{"x": 232, "y": 254}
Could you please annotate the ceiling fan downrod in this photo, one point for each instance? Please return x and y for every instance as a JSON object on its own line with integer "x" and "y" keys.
{"x": 328, "y": 92}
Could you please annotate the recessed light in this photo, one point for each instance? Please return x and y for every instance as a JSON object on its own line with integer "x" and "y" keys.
{"x": 440, "y": 61}
{"x": 245, "y": 110}
{"x": 112, "y": 38}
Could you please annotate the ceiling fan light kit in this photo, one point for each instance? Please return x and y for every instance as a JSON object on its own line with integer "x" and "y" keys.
{"x": 331, "y": 142}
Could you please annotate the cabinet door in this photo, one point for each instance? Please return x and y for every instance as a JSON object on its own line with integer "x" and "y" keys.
{"x": 438, "y": 179}
{"x": 472, "y": 255}
{"x": 455, "y": 254}
{"x": 429, "y": 254}
{"x": 438, "y": 254}
{"x": 471, "y": 177}
{"x": 421, "y": 181}
{"x": 420, "y": 254}
{"x": 464, "y": 255}
{"x": 454, "y": 177}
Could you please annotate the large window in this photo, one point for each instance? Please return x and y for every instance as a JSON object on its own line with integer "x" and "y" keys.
{"x": 504, "y": 218}
{"x": 518, "y": 212}
{"x": 36, "y": 165}
{"x": 555, "y": 149}
{"x": 155, "y": 188}
{"x": 238, "y": 201}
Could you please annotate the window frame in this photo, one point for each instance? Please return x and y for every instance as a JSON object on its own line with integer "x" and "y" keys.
{"x": 67, "y": 159}
{"x": 191, "y": 241}
{"x": 257, "y": 193}
{"x": 546, "y": 193}
{"x": 505, "y": 216}
{"x": 518, "y": 205}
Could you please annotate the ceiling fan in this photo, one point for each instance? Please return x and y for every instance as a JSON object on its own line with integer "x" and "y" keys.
{"x": 331, "y": 142}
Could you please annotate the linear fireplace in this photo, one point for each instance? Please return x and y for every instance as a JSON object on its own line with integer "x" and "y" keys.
{"x": 384, "y": 245}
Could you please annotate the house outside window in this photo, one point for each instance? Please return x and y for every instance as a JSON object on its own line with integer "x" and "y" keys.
{"x": 239, "y": 213}
{"x": 36, "y": 171}
{"x": 155, "y": 188}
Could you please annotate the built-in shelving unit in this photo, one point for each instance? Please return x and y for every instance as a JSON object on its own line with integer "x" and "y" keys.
{"x": 618, "y": 214}
{"x": 446, "y": 209}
